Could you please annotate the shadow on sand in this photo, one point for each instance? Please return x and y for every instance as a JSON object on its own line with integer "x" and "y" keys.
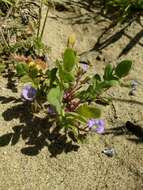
{"x": 96, "y": 11}
{"x": 35, "y": 131}
{"x": 134, "y": 132}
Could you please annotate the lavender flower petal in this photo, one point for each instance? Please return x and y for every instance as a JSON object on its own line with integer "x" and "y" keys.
{"x": 98, "y": 124}
{"x": 100, "y": 129}
{"x": 91, "y": 123}
{"x": 28, "y": 93}
{"x": 84, "y": 67}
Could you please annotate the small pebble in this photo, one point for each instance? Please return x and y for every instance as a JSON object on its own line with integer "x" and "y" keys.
{"x": 134, "y": 84}
{"x": 132, "y": 93}
{"x": 110, "y": 152}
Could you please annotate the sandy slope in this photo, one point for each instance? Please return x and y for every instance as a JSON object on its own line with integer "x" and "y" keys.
{"x": 87, "y": 168}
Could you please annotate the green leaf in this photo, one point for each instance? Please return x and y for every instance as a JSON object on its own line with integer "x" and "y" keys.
{"x": 95, "y": 80}
{"x": 66, "y": 86}
{"x": 53, "y": 74}
{"x": 33, "y": 72}
{"x": 76, "y": 116}
{"x": 123, "y": 68}
{"x": 97, "y": 77}
{"x": 8, "y": 2}
{"x": 66, "y": 76}
{"x": 22, "y": 69}
{"x": 69, "y": 59}
{"x": 107, "y": 84}
{"x": 88, "y": 111}
{"x": 84, "y": 95}
{"x": 108, "y": 72}
{"x": 73, "y": 128}
{"x": 55, "y": 98}
{"x": 25, "y": 79}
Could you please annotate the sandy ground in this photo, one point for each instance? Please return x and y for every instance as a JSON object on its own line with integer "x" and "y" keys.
{"x": 34, "y": 165}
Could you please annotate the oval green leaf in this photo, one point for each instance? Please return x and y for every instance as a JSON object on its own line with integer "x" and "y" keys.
{"x": 69, "y": 59}
{"x": 123, "y": 68}
{"x": 88, "y": 111}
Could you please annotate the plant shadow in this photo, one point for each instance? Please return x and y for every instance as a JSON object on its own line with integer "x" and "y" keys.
{"x": 87, "y": 11}
{"x": 134, "y": 132}
{"x": 96, "y": 11}
{"x": 11, "y": 81}
{"x": 36, "y": 132}
{"x": 5, "y": 100}
{"x": 103, "y": 42}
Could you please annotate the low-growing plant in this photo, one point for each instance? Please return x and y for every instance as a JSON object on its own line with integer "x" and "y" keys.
{"x": 67, "y": 93}
{"x": 125, "y": 8}
{"x": 21, "y": 33}
{"x": 24, "y": 37}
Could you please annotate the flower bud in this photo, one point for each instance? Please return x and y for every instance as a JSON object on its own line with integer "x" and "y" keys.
{"x": 71, "y": 40}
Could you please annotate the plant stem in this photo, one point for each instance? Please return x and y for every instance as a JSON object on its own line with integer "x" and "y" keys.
{"x": 40, "y": 17}
{"x": 6, "y": 44}
{"x": 44, "y": 24}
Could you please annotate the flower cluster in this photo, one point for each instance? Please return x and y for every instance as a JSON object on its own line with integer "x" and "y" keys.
{"x": 96, "y": 125}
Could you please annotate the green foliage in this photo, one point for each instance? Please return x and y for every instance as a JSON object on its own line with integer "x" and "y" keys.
{"x": 76, "y": 117}
{"x": 125, "y": 8}
{"x": 8, "y": 2}
{"x": 54, "y": 98}
{"x": 5, "y": 4}
{"x": 111, "y": 77}
{"x": 66, "y": 87}
{"x": 88, "y": 111}
{"x": 120, "y": 71}
{"x": 26, "y": 34}
{"x": 52, "y": 76}
{"x": 29, "y": 46}
{"x": 65, "y": 76}
{"x": 25, "y": 79}
{"x": 108, "y": 72}
{"x": 69, "y": 59}
{"x": 22, "y": 69}
{"x": 123, "y": 68}
{"x": 106, "y": 84}
{"x": 124, "y": 4}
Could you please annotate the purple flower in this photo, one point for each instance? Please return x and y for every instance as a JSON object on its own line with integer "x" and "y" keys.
{"x": 91, "y": 123}
{"x": 100, "y": 129}
{"x": 98, "y": 124}
{"x": 28, "y": 93}
{"x": 84, "y": 67}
